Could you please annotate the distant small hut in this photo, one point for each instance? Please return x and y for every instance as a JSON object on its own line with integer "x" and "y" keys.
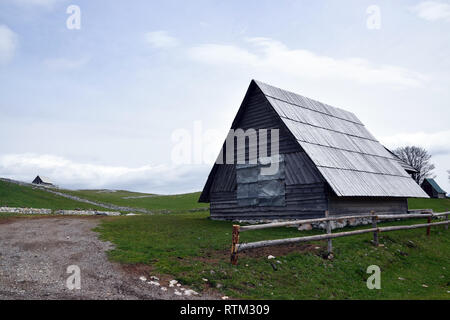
{"x": 42, "y": 181}
{"x": 327, "y": 160}
{"x": 433, "y": 189}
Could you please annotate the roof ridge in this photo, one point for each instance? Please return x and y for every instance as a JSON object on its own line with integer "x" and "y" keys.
{"x": 310, "y": 99}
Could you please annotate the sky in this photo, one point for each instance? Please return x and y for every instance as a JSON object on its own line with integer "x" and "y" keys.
{"x": 109, "y": 94}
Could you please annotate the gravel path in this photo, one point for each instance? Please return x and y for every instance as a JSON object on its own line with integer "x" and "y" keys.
{"x": 35, "y": 254}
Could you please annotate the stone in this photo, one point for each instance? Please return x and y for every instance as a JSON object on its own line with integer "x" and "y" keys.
{"x": 305, "y": 227}
{"x": 173, "y": 282}
{"x": 190, "y": 292}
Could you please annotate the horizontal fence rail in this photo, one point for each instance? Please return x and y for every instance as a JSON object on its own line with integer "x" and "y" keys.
{"x": 426, "y": 213}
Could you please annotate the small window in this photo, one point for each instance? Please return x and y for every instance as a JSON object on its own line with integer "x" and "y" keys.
{"x": 262, "y": 184}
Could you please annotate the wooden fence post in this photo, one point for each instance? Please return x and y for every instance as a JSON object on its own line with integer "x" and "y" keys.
{"x": 446, "y": 218}
{"x": 330, "y": 243}
{"x": 374, "y": 225}
{"x": 429, "y": 227}
{"x": 234, "y": 244}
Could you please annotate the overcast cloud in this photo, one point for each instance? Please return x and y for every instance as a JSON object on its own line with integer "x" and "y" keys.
{"x": 100, "y": 107}
{"x": 8, "y": 44}
{"x": 274, "y": 56}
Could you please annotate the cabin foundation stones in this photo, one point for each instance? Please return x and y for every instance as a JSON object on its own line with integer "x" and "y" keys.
{"x": 25, "y": 210}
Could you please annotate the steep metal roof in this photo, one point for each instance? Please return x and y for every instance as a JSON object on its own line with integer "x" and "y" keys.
{"x": 403, "y": 164}
{"x": 350, "y": 159}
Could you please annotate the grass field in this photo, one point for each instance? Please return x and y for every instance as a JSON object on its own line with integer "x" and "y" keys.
{"x": 438, "y": 205}
{"x": 13, "y": 195}
{"x": 190, "y": 247}
{"x": 173, "y": 203}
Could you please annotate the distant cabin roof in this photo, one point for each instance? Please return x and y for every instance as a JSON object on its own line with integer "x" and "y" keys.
{"x": 348, "y": 156}
{"x": 435, "y": 185}
{"x": 45, "y": 179}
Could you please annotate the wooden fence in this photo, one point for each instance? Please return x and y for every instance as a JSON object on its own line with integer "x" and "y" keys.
{"x": 425, "y": 213}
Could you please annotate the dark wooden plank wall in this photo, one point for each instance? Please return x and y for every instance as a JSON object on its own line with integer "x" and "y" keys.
{"x": 258, "y": 114}
{"x": 361, "y": 205}
{"x": 225, "y": 178}
{"x": 302, "y": 201}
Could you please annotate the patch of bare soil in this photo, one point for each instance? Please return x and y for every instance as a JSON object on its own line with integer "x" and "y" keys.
{"x": 276, "y": 251}
{"x": 35, "y": 254}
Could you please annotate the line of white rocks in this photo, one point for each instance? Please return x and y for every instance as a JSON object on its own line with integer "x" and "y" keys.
{"x": 59, "y": 212}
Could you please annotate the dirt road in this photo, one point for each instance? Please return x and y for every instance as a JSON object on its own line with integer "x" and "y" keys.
{"x": 35, "y": 254}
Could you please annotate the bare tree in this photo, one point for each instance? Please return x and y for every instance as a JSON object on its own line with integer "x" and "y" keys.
{"x": 419, "y": 159}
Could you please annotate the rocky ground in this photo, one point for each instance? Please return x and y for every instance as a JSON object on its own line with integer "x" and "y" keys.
{"x": 36, "y": 252}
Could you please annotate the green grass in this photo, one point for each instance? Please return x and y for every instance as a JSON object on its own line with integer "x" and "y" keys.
{"x": 13, "y": 195}
{"x": 188, "y": 246}
{"x": 173, "y": 203}
{"x": 438, "y": 205}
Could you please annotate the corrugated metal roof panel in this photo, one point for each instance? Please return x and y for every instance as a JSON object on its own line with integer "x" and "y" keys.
{"x": 354, "y": 183}
{"x": 352, "y": 161}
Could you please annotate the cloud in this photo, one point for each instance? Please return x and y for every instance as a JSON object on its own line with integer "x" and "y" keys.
{"x": 8, "y": 44}
{"x": 274, "y": 56}
{"x": 65, "y": 63}
{"x": 432, "y": 10}
{"x": 42, "y": 3}
{"x": 437, "y": 143}
{"x": 70, "y": 174}
{"x": 161, "y": 39}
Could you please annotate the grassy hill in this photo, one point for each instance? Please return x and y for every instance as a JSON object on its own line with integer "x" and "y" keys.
{"x": 152, "y": 202}
{"x": 13, "y": 195}
{"x": 438, "y": 205}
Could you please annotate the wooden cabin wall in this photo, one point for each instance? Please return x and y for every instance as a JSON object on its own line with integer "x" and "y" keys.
{"x": 258, "y": 114}
{"x": 361, "y": 205}
{"x": 302, "y": 202}
{"x": 426, "y": 186}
